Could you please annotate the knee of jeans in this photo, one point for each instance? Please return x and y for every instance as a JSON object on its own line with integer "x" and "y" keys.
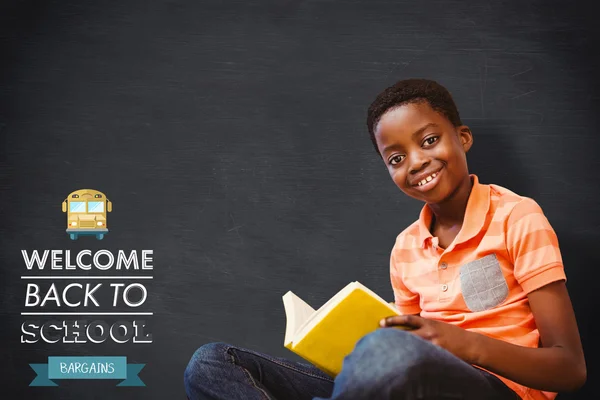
{"x": 401, "y": 348}
{"x": 204, "y": 358}
{"x": 388, "y": 355}
{"x": 383, "y": 339}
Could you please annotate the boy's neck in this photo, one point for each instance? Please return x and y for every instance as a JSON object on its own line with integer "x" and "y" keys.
{"x": 451, "y": 212}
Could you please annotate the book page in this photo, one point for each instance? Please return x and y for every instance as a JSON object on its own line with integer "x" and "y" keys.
{"x": 297, "y": 312}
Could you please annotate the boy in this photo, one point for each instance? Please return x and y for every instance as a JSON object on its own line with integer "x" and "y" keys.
{"x": 479, "y": 276}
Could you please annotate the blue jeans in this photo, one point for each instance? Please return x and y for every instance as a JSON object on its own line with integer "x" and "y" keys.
{"x": 386, "y": 364}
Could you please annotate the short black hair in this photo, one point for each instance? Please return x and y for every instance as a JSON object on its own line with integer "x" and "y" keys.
{"x": 412, "y": 91}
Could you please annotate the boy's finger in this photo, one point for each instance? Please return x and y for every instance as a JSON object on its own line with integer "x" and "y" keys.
{"x": 412, "y": 321}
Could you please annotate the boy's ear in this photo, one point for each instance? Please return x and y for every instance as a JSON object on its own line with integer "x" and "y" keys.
{"x": 465, "y": 136}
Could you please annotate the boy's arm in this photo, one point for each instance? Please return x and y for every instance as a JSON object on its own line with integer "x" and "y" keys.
{"x": 557, "y": 366}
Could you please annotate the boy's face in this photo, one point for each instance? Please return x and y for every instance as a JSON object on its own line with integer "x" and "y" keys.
{"x": 424, "y": 152}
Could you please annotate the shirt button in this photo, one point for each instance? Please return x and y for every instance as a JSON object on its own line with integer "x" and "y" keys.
{"x": 444, "y": 287}
{"x": 444, "y": 265}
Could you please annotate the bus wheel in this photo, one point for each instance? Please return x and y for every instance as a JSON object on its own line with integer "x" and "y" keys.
{"x": 100, "y": 236}
{"x": 73, "y": 236}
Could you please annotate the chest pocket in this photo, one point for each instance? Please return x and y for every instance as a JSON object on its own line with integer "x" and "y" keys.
{"x": 482, "y": 283}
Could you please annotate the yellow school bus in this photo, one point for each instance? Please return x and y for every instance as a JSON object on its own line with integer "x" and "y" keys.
{"x": 86, "y": 213}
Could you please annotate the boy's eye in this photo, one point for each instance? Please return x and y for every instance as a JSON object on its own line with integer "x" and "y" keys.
{"x": 431, "y": 140}
{"x": 396, "y": 159}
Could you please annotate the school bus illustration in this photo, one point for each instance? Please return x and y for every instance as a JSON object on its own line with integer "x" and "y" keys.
{"x": 86, "y": 213}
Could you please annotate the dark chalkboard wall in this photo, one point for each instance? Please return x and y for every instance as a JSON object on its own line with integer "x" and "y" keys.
{"x": 231, "y": 139}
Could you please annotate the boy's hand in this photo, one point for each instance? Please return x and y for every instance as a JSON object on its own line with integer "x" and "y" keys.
{"x": 450, "y": 337}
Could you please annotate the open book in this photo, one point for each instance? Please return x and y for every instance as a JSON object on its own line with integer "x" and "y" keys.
{"x": 326, "y": 336}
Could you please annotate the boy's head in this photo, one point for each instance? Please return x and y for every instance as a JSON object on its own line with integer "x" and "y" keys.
{"x": 416, "y": 129}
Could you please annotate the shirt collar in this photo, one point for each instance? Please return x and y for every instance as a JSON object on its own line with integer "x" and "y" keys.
{"x": 477, "y": 208}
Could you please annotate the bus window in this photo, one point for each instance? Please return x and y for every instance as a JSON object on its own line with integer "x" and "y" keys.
{"x": 95, "y": 206}
{"x": 77, "y": 206}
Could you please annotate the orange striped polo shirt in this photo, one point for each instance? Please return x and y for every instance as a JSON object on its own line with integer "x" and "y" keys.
{"x": 505, "y": 249}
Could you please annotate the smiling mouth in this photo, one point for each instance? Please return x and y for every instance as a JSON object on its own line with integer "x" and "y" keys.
{"x": 428, "y": 179}
{"x": 428, "y": 182}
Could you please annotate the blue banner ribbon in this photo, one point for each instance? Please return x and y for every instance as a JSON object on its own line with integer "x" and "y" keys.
{"x": 87, "y": 368}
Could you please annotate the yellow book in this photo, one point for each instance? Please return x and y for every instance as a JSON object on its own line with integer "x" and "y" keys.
{"x": 325, "y": 336}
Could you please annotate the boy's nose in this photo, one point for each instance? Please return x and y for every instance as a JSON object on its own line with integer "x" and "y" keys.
{"x": 418, "y": 162}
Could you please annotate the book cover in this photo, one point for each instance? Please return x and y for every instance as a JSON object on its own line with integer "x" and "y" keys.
{"x": 326, "y": 336}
